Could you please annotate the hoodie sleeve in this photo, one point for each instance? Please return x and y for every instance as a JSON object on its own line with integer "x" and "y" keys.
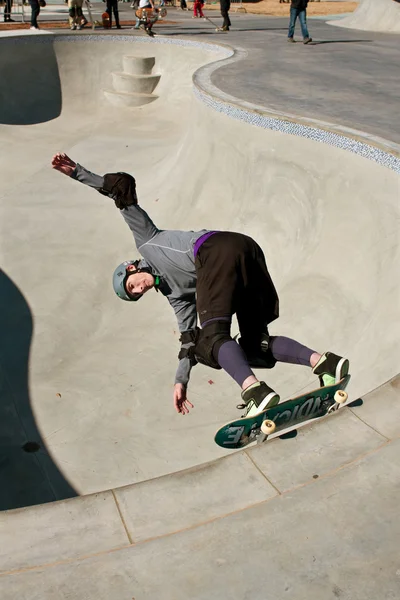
{"x": 186, "y": 314}
{"x": 87, "y": 177}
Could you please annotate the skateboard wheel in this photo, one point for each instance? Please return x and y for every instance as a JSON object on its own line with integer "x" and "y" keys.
{"x": 340, "y": 397}
{"x": 268, "y": 427}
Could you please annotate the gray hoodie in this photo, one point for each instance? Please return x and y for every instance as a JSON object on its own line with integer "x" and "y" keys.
{"x": 168, "y": 254}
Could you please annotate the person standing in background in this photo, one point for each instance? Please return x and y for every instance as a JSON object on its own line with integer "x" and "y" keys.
{"x": 225, "y": 6}
{"x": 112, "y": 7}
{"x": 298, "y": 8}
{"x": 75, "y": 14}
{"x": 7, "y": 12}
{"x": 35, "y": 8}
{"x": 198, "y": 9}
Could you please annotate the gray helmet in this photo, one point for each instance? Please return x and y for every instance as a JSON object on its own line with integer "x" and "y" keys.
{"x": 119, "y": 279}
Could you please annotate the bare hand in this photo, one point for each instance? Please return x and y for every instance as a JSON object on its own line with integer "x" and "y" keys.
{"x": 63, "y": 163}
{"x": 181, "y": 402}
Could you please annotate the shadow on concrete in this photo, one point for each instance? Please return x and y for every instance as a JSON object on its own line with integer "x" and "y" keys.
{"x": 319, "y": 43}
{"x": 28, "y": 474}
{"x": 31, "y": 89}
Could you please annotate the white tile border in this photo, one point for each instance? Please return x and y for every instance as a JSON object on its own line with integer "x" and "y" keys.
{"x": 366, "y": 145}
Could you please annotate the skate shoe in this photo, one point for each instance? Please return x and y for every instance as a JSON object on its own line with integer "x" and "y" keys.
{"x": 256, "y": 398}
{"x": 331, "y": 368}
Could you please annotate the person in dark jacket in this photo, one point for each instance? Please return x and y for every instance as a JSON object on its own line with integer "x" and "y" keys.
{"x": 298, "y": 8}
{"x": 210, "y": 276}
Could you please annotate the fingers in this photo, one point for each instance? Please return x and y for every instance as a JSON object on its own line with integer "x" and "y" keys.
{"x": 182, "y": 405}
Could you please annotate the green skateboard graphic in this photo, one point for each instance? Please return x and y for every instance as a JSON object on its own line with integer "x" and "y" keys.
{"x": 287, "y": 415}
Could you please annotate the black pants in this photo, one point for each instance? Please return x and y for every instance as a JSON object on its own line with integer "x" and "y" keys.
{"x": 112, "y": 5}
{"x": 233, "y": 278}
{"x": 225, "y": 6}
{"x": 7, "y": 10}
{"x": 35, "y": 12}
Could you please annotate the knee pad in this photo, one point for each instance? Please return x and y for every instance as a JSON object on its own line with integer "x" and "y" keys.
{"x": 209, "y": 342}
{"x": 260, "y": 356}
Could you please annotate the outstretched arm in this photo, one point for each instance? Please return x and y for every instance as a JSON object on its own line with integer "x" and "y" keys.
{"x": 63, "y": 163}
{"x": 118, "y": 186}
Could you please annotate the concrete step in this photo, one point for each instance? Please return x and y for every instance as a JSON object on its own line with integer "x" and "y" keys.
{"x": 138, "y": 65}
{"x": 133, "y": 83}
{"x": 129, "y": 100}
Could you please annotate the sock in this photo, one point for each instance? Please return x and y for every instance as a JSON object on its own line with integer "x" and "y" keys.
{"x": 234, "y": 361}
{"x": 289, "y": 351}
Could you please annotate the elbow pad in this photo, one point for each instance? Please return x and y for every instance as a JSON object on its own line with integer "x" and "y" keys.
{"x": 121, "y": 187}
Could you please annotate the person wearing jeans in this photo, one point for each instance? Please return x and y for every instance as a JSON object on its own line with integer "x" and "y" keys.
{"x": 298, "y": 8}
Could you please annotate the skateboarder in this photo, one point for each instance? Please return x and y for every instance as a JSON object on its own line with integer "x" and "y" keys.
{"x": 214, "y": 274}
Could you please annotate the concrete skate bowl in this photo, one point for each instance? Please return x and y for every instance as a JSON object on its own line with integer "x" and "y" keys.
{"x": 373, "y": 15}
{"x": 97, "y": 373}
{"x": 101, "y": 371}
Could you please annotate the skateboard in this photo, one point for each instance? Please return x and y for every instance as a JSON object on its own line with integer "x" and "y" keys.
{"x": 105, "y": 19}
{"x": 217, "y": 28}
{"x": 148, "y": 16}
{"x": 286, "y": 415}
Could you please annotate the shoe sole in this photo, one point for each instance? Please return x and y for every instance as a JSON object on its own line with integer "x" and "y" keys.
{"x": 342, "y": 369}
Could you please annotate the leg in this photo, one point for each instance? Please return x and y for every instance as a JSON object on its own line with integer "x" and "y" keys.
{"x": 7, "y": 11}
{"x": 116, "y": 13}
{"x": 286, "y": 350}
{"x": 71, "y": 13}
{"x": 303, "y": 24}
{"x": 109, "y": 11}
{"x": 221, "y": 275}
{"x": 35, "y": 10}
{"x": 79, "y": 13}
{"x": 224, "y": 13}
{"x": 292, "y": 22}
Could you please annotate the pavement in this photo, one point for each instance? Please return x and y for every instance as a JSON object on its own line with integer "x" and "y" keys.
{"x": 128, "y": 499}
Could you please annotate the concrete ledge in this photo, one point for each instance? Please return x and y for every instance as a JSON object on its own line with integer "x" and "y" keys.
{"x": 58, "y": 531}
{"x": 154, "y": 508}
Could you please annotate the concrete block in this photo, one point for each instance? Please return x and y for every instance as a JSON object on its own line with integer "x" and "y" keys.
{"x": 381, "y": 409}
{"x": 185, "y": 499}
{"x": 62, "y": 530}
{"x": 318, "y": 448}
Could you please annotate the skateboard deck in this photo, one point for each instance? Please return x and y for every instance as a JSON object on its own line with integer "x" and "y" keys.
{"x": 284, "y": 416}
{"x": 105, "y": 18}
